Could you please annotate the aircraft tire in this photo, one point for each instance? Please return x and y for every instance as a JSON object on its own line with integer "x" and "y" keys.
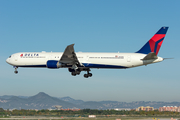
{"x": 78, "y": 72}
{"x": 86, "y": 75}
{"x": 73, "y": 73}
{"x": 90, "y": 74}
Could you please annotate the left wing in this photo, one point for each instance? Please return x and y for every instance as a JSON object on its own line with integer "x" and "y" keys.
{"x": 70, "y": 59}
{"x": 69, "y": 56}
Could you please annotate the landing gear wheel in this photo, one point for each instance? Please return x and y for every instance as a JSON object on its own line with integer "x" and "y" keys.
{"x": 90, "y": 74}
{"x": 73, "y": 73}
{"x": 78, "y": 72}
{"x": 15, "y": 70}
{"x": 86, "y": 75}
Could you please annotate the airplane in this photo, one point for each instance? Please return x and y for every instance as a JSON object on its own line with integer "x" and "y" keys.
{"x": 79, "y": 61}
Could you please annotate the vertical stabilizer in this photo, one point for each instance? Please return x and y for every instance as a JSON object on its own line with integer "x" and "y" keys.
{"x": 154, "y": 44}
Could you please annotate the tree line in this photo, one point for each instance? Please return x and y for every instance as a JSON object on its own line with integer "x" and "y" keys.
{"x": 43, "y": 112}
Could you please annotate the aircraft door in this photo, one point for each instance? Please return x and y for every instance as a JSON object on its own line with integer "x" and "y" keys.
{"x": 87, "y": 58}
{"x": 128, "y": 58}
{"x": 50, "y": 57}
{"x": 16, "y": 57}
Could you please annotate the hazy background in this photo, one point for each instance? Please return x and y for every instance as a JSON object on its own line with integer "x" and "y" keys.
{"x": 94, "y": 26}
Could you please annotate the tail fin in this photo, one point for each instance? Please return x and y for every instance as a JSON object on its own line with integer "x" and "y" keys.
{"x": 154, "y": 44}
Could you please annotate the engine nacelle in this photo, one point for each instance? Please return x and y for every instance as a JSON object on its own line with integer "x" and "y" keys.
{"x": 54, "y": 64}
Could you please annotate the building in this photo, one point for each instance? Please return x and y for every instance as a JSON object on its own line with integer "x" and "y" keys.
{"x": 68, "y": 109}
{"x": 92, "y": 116}
{"x": 120, "y": 109}
{"x": 169, "y": 108}
{"x": 147, "y": 108}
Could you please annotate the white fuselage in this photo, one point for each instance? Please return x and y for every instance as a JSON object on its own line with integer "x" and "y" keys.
{"x": 89, "y": 60}
{"x": 77, "y": 62}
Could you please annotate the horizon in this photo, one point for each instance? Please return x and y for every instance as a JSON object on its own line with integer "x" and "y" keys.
{"x": 80, "y": 99}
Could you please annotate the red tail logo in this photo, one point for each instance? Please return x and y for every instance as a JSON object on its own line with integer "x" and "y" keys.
{"x": 154, "y": 44}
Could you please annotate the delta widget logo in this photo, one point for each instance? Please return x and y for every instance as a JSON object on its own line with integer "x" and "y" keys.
{"x": 29, "y": 55}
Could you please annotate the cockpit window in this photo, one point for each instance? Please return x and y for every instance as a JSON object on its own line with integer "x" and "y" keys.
{"x": 9, "y": 56}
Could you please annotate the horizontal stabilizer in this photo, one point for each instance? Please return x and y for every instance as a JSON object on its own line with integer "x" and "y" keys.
{"x": 150, "y": 56}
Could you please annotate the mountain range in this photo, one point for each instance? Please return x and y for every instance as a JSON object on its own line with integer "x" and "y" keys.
{"x": 44, "y": 101}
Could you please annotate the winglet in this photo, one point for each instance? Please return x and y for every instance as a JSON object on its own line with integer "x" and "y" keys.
{"x": 154, "y": 44}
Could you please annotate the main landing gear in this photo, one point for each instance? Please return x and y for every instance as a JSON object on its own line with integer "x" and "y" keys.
{"x": 75, "y": 73}
{"x": 15, "y": 70}
{"x": 88, "y": 74}
{"x": 78, "y": 71}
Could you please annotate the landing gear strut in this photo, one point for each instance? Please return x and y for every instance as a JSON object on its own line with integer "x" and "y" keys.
{"x": 74, "y": 72}
{"x": 88, "y": 74}
{"x": 15, "y": 70}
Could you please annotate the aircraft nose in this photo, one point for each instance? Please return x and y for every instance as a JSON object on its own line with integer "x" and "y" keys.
{"x": 8, "y": 60}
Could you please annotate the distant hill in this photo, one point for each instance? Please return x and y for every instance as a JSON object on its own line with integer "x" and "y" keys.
{"x": 71, "y": 100}
{"x": 6, "y": 96}
{"x": 39, "y": 101}
{"x": 44, "y": 101}
{"x": 93, "y": 105}
{"x": 9, "y": 96}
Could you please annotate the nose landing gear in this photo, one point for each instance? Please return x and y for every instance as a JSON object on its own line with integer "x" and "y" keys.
{"x": 15, "y": 70}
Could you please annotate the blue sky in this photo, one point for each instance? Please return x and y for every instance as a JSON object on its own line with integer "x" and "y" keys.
{"x": 94, "y": 26}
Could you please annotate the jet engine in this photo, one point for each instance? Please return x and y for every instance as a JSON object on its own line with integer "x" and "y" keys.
{"x": 54, "y": 64}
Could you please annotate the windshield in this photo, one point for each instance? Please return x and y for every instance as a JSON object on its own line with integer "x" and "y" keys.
{"x": 9, "y": 56}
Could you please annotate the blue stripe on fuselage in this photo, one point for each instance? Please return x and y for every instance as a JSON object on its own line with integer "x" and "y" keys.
{"x": 90, "y": 65}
